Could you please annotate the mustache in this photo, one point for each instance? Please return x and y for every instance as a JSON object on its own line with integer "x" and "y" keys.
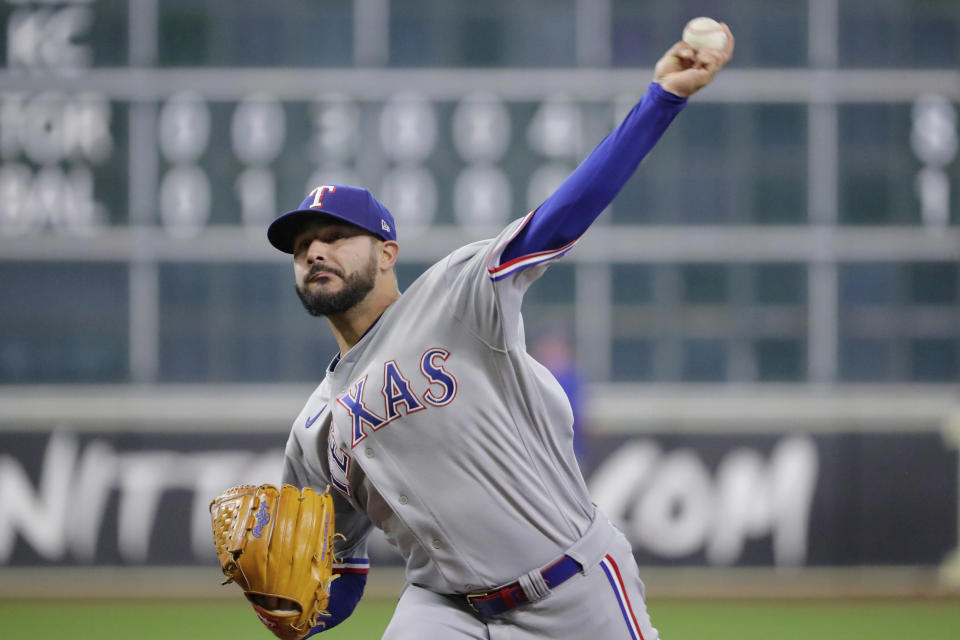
{"x": 321, "y": 268}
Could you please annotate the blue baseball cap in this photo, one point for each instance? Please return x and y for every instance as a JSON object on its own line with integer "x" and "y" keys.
{"x": 341, "y": 202}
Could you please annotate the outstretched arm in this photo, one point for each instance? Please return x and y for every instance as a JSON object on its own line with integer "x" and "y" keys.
{"x": 572, "y": 208}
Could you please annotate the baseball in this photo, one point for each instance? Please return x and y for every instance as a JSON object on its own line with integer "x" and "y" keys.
{"x": 705, "y": 33}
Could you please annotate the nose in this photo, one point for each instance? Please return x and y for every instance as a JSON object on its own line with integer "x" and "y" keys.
{"x": 317, "y": 251}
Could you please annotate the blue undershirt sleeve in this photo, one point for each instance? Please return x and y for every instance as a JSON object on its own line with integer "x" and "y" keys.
{"x": 572, "y": 208}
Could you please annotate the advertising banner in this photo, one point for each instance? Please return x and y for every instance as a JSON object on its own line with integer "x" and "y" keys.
{"x": 133, "y": 498}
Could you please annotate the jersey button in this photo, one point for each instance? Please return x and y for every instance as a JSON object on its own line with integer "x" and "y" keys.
{"x": 368, "y": 452}
{"x": 436, "y": 543}
{"x": 403, "y": 500}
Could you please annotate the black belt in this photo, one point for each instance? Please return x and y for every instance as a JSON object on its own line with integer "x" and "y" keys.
{"x": 512, "y": 596}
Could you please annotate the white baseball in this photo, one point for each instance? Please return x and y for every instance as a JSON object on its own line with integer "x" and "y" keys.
{"x": 705, "y": 33}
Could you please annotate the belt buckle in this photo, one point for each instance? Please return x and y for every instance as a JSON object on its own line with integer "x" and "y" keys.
{"x": 470, "y": 597}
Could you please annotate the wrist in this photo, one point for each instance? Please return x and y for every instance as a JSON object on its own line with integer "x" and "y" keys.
{"x": 664, "y": 94}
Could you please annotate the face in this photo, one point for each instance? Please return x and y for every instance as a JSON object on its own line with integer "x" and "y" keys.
{"x": 335, "y": 266}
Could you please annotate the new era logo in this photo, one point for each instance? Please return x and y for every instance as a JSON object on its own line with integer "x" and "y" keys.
{"x": 384, "y": 225}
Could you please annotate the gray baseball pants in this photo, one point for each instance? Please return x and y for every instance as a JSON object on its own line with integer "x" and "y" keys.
{"x": 603, "y": 602}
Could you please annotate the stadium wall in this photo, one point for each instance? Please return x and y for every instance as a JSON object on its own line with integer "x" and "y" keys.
{"x": 720, "y": 489}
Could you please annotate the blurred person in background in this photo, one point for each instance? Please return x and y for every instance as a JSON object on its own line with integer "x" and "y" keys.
{"x": 554, "y": 350}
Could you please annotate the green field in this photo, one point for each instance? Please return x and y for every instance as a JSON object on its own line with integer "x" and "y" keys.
{"x": 676, "y": 619}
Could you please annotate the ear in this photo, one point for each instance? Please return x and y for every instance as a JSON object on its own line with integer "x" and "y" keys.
{"x": 389, "y": 250}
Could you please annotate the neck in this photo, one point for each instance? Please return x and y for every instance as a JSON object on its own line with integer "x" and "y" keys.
{"x": 349, "y": 326}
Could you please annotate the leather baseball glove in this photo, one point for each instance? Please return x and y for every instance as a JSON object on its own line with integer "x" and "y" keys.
{"x": 277, "y": 545}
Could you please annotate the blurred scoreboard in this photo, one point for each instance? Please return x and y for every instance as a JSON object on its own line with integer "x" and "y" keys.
{"x": 189, "y": 114}
{"x": 799, "y": 223}
{"x": 88, "y": 142}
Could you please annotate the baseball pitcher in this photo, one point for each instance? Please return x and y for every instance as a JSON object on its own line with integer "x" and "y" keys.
{"x": 433, "y": 424}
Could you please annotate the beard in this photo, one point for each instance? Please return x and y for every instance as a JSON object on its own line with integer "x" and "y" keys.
{"x": 355, "y": 288}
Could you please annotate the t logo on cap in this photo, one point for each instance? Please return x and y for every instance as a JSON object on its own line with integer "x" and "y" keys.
{"x": 353, "y": 205}
{"x": 318, "y": 194}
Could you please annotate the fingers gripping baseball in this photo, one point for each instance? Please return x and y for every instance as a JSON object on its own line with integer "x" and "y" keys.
{"x": 683, "y": 70}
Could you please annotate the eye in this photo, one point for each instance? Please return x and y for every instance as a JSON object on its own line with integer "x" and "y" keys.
{"x": 301, "y": 246}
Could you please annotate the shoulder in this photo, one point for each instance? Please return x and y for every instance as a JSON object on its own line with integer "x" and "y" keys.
{"x": 473, "y": 259}
{"x": 452, "y": 263}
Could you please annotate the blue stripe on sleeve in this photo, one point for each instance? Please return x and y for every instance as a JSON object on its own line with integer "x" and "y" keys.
{"x": 572, "y": 208}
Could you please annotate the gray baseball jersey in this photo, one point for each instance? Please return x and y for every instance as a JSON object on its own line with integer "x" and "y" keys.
{"x": 438, "y": 428}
